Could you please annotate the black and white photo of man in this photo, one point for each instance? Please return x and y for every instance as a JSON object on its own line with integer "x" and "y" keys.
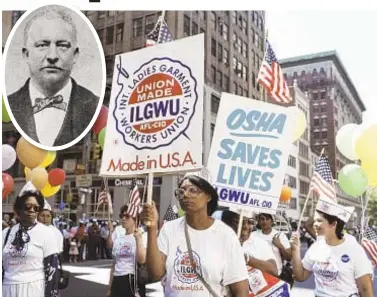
{"x": 51, "y": 107}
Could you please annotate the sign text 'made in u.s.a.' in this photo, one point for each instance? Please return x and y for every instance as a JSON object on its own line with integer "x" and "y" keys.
{"x": 249, "y": 152}
{"x": 156, "y": 110}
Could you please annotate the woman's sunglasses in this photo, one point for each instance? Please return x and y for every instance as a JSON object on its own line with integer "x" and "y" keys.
{"x": 29, "y": 207}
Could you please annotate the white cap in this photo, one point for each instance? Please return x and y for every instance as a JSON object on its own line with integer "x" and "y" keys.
{"x": 332, "y": 208}
{"x": 47, "y": 206}
{"x": 203, "y": 173}
{"x": 28, "y": 187}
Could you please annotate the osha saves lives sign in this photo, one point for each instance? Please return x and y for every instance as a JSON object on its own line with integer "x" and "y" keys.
{"x": 249, "y": 152}
{"x": 156, "y": 110}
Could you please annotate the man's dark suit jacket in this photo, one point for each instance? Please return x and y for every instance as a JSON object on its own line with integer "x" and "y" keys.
{"x": 81, "y": 108}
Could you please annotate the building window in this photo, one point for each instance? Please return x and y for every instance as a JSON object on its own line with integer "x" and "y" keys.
{"x": 110, "y": 35}
{"x": 256, "y": 40}
{"x": 304, "y": 187}
{"x": 244, "y": 49}
{"x": 303, "y": 150}
{"x": 220, "y": 52}
{"x": 235, "y": 87}
{"x": 239, "y": 69}
{"x": 304, "y": 169}
{"x": 252, "y": 58}
{"x": 213, "y": 74}
{"x": 101, "y": 14}
{"x": 186, "y": 25}
{"x": 215, "y": 102}
{"x": 324, "y": 122}
{"x": 219, "y": 78}
{"x": 244, "y": 73}
{"x": 292, "y": 161}
{"x": 253, "y": 79}
{"x": 202, "y": 15}
{"x": 316, "y": 122}
{"x": 246, "y": 94}
{"x": 226, "y": 57}
{"x": 213, "y": 20}
{"x": 240, "y": 91}
{"x": 292, "y": 182}
{"x": 323, "y": 108}
{"x": 235, "y": 63}
{"x": 323, "y": 95}
{"x": 317, "y": 135}
{"x": 150, "y": 21}
{"x": 244, "y": 26}
{"x": 212, "y": 130}
{"x": 225, "y": 31}
{"x": 119, "y": 36}
{"x": 324, "y": 134}
{"x": 293, "y": 203}
{"x": 138, "y": 27}
{"x": 213, "y": 47}
{"x": 239, "y": 44}
{"x": 195, "y": 28}
{"x": 226, "y": 83}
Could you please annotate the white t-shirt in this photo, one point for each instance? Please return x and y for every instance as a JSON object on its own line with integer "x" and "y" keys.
{"x": 124, "y": 251}
{"x": 59, "y": 238}
{"x": 258, "y": 248}
{"x": 268, "y": 238}
{"x": 217, "y": 252}
{"x": 336, "y": 268}
{"x": 27, "y": 265}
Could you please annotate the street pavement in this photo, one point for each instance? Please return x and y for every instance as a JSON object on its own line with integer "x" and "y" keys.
{"x": 90, "y": 279}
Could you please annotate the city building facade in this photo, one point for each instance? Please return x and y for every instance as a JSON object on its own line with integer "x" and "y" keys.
{"x": 234, "y": 49}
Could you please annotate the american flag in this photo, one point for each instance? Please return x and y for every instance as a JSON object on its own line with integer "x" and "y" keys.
{"x": 134, "y": 203}
{"x": 271, "y": 77}
{"x": 369, "y": 243}
{"x": 322, "y": 181}
{"x": 171, "y": 213}
{"x": 160, "y": 34}
{"x": 105, "y": 198}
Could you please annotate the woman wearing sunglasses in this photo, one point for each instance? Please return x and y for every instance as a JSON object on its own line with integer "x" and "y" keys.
{"x": 127, "y": 248}
{"x": 30, "y": 257}
{"x": 218, "y": 266}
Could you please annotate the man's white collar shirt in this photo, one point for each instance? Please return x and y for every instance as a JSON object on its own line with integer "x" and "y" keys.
{"x": 49, "y": 121}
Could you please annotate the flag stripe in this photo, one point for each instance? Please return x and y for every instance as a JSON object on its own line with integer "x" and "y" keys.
{"x": 134, "y": 201}
{"x": 322, "y": 181}
{"x": 271, "y": 77}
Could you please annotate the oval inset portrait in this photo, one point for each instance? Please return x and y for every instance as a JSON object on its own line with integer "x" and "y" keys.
{"x": 54, "y": 76}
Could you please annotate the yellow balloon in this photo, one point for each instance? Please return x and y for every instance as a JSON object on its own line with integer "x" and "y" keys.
{"x": 39, "y": 178}
{"x": 300, "y": 123}
{"x": 27, "y": 172}
{"x": 50, "y": 157}
{"x": 49, "y": 190}
{"x": 366, "y": 145}
{"x": 370, "y": 170}
{"x": 29, "y": 155}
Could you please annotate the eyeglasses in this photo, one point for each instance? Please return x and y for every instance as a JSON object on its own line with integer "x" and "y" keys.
{"x": 29, "y": 207}
{"x": 125, "y": 215}
{"x": 191, "y": 191}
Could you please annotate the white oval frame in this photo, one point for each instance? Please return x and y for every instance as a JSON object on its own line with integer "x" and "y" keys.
{"x": 101, "y": 96}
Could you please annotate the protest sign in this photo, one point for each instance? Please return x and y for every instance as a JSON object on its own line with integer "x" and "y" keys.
{"x": 262, "y": 284}
{"x": 249, "y": 152}
{"x": 156, "y": 110}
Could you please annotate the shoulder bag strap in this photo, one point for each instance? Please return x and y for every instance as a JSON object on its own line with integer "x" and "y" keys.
{"x": 193, "y": 263}
{"x": 6, "y": 236}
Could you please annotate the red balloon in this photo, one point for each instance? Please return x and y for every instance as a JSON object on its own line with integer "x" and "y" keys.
{"x": 101, "y": 121}
{"x": 56, "y": 177}
{"x": 8, "y": 184}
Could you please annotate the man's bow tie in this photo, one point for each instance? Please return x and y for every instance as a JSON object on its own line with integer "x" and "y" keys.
{"x": 42, "y": 103}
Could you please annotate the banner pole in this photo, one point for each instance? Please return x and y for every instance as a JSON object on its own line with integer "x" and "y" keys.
{"x": 239, "y": 229}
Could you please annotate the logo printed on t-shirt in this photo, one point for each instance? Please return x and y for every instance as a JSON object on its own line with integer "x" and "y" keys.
{"x": 345, "y": 258}
{"x": 183, "y": 268}
{"x": 125, "y": 250}
{"x": 13, "y": 252}
{"x": 326, "y": 271}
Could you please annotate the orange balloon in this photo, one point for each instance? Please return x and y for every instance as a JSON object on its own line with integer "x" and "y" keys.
{"x": 286, "y": 193}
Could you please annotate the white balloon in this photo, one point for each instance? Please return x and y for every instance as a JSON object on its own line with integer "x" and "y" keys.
{"x": 9, "y": 156}
{"x": 344, "y": 141}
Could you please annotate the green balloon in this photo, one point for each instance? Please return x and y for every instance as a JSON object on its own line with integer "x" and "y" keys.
{"x": 101, "y": 137}
{"x": 352, "y": 180}
{"x": 5, "y": 114}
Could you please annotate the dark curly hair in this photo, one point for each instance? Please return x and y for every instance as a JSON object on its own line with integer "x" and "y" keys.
{"x": 207, "y": 188}
{"x": 20, "y": 200}
{"x": 124, "y": 208}
{"x": 339, "y": 228}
